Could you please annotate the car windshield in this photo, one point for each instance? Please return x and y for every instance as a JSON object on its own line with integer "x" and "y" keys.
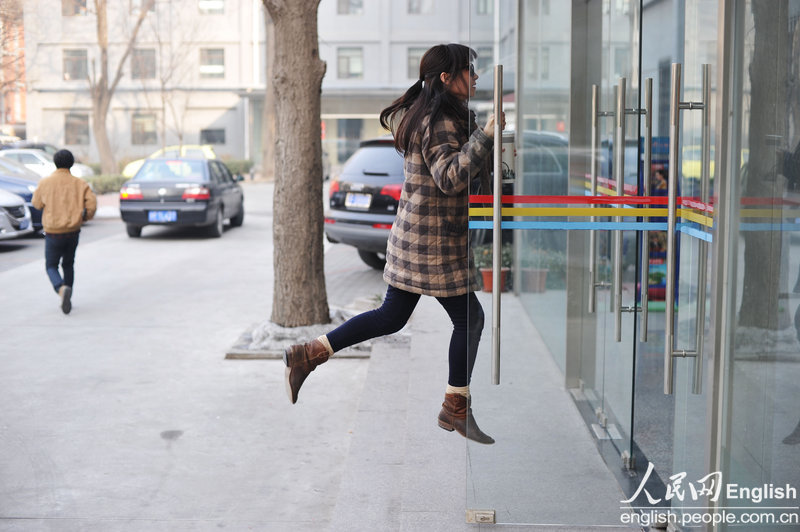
{"x": 172, "y": 170}
{"x": 376, "y": 160}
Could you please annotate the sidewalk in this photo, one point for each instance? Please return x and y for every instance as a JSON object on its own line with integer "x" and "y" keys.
{"x": 404, "y": 473}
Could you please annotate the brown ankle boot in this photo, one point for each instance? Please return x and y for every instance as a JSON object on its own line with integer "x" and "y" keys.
{"x": 301, "y": 360}
{"x": 456, "y": 415}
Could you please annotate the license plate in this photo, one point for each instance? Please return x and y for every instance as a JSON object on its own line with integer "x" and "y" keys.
{"x": 162, "y": 216}
{"x": 357, "y": 201}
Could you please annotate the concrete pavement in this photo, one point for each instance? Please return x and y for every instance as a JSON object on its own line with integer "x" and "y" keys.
{"x": 126, "y": 416}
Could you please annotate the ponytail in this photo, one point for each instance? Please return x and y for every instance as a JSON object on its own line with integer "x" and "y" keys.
{"x": 428, "y": 96}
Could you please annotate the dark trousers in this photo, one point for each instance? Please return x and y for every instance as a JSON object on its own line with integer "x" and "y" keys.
{"x": 60, "y": 248}
{"x": 465, "y": 312}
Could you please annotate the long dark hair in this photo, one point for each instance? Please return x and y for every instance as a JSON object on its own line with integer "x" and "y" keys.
{"x": 429, "y": 96}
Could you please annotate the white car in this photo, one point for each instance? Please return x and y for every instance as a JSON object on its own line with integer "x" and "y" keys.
{"x": 41, "y": 162}
{"x": 15, "y": 217}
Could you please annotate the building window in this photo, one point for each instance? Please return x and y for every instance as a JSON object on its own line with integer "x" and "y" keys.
{"x": 414, "y": 57}
{"x": 420, "y": 7}
{"x": 212, "y": 63}
{"x": 212, "y": 136}
{"x": 211, "y": 7}
{"x": 350, "y": 7}
{"x": 143, "y": 64}
{"x": 137, "y": 5}
{"x": 485, "y": 59}
{"x": 351, "y": 63}
{"x": 532, "y": 63}
{"x": 484, "y": 7}
{"x": 545, "y": 62}
{"x": 76, "y": 129}
{"x": 75, "y": 65}
{"x": 143, "y": 129}
{"x": 71, "y": 8}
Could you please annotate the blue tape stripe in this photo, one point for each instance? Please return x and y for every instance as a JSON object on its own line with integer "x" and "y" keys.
{"x": 614, "y": 226}
{"x": 694, "y": 231}
{"x": 769, "y": 227}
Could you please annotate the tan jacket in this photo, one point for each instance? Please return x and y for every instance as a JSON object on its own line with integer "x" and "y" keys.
{"x": 63, "y": 197}
{"x": 428, "y": 251}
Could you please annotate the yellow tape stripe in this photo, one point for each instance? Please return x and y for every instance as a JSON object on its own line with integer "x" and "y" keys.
{"x": 770, "y": 213}
{"x": 569, "y": 211}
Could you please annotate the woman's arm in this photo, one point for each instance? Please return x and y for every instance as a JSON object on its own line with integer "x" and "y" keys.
{"x": 453, "y": 165}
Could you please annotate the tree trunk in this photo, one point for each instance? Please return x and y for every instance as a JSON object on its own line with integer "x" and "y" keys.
{"x": 763, "y": 249}
{"x": 299, "y": 296}
{"x": 268, "y": 119}
{"x": 101, "y": 90}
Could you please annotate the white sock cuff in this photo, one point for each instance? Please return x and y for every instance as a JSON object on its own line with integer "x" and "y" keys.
{"x": 460, "y": 390}
{"x": 324, "y": 341}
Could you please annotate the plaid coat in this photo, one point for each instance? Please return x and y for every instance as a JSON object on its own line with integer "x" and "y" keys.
{"x": 428, "y": 251}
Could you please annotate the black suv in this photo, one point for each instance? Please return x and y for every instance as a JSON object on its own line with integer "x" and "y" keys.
{"x": 364, "y": 198}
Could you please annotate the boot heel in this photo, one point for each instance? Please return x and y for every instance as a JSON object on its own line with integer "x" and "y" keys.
{"x": 446, "y": 426}
{"x": 286, "y": 356}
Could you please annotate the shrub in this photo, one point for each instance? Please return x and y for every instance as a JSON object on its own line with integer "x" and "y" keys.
{"x": 104, "y": 184}
{"x": 239, "y": 166}
{"x": 483, "y": 256}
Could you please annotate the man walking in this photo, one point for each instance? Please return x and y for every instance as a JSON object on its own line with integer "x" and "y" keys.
{"x": 66, "y": 202}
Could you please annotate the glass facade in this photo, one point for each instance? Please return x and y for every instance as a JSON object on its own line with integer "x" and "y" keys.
{"x": 651, "y": 219}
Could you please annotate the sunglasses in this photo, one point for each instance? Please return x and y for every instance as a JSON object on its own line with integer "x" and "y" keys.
{"x": 471, "y": 69}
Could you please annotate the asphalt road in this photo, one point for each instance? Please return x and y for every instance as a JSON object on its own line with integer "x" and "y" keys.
{"x": 125, "y": 415}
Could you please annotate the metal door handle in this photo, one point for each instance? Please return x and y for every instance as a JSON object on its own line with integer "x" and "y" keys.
{"x": 596, "y": 115}
{"x": 619, "y": 177}
{"x": 648, "y": 159}
{"x": 593, "y": 185}
{"x": 497, "y": 219}
{"x": 674, "y": 160}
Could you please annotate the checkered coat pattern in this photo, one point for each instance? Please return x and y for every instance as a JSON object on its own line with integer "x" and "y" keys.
{"x": 428, "y": 251}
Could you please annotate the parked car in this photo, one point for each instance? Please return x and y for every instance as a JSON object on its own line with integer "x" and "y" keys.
{"x": 19, "y": 180}
{"x": 15, "y": 218}
{"x": 41, "y": 162}
{"x": 363, "y": 200}
{"x": 181, "y": 191}
{"x": 30, "y": 144}
{"x": 197, "y": 151}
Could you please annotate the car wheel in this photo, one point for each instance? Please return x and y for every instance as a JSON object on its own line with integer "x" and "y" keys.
{"x": 216, "y": 228}
{"x": 238, "y": 220}
{"x": 134, "y": 231}
{"x": 373, "y": 260}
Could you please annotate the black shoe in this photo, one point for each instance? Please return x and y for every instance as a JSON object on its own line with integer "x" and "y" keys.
{"x": 66, "y": 295}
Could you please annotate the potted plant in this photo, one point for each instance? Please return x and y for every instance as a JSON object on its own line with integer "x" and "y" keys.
{"x": 542, "y": 269}
{"x": 483, "y": 261}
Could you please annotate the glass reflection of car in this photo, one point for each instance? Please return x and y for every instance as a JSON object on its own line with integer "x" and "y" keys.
{"x": 15, "y": 218}
{"x": 363, "y": 200}
{"x": 195, "y": 151}
{"x": 18, "y": 180}
{"x": 182, "y": 191}
{"x": 41, "y": 162}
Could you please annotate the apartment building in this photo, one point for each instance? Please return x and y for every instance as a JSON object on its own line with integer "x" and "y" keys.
{"x": 197, "y": 70}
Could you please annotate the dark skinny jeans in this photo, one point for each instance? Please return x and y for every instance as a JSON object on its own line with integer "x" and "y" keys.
{"x": 60, "y": 248}
{"x": 465, "y": 312}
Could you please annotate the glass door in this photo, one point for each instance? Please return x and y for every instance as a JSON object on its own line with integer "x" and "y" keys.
{"x": 544, "y": 455}
{"x": 759, "y": 347}
{"x": 614, "y": 250}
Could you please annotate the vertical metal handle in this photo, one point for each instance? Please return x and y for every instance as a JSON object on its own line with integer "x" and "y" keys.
{"x": 648, "y": 159}
{"x": 672, "y": 194}
{"x": 705, "y": 176}
{"x": 674, "y": 161}
{"x": 619, "y": 177}
{"x": 497, "y": 219}
{"x": 593, "y": 185}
